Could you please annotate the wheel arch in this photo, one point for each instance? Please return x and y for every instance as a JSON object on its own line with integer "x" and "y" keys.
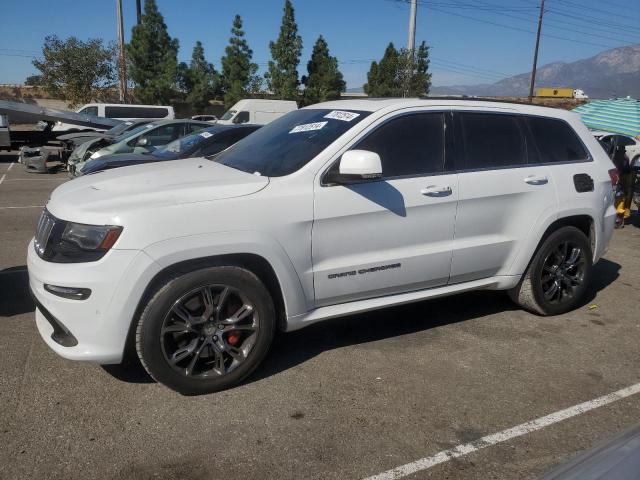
{"x": 584, "y": 222}
{"x": 252, "y": 262}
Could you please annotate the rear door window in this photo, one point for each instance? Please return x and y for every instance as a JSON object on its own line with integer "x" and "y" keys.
{"x": 557, "y": 142}
{"x": 491, "y": 140}
{"x": 409, "y": 145}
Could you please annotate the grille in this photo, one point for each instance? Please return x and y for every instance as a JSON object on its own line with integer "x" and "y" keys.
{"x": 43, "y": 232}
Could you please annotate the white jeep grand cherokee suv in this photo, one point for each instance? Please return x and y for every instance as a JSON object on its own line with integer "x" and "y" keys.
{"x": 337, "y": 208}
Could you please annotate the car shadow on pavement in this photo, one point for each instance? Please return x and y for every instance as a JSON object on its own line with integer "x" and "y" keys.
{"x": 291, "y": 349}
{"x": 294, "y": 348}
{"x": 129, "y": 371}
{"x": 15, "y": 298}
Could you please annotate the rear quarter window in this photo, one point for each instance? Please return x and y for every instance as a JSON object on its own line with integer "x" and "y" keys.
{"x": 556, "y": 140}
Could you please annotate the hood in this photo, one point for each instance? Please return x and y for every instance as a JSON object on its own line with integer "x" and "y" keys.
{"x": 80, "y": 136}
{"x": 100, "y": 197}
{"x": 117, "y": 160}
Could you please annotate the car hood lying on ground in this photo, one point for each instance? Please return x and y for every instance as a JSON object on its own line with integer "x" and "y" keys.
{"x": 99, "y": 198}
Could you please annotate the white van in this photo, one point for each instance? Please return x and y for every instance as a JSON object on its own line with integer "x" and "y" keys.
{"x": 118, "y": 111}
{"x": 259, "y": 112}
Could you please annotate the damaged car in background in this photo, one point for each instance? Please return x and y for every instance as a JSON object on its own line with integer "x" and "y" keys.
{"x": 144, "y": 138}
{"x": 205, "y": 143}
{"x": 43, "y": 159}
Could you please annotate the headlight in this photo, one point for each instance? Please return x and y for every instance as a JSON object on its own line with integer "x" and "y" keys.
{"x": 68, "y": 242}
{"x": 91, "y": 237}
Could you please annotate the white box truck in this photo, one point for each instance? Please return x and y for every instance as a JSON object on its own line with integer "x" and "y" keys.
{"x": 259, "y": 112}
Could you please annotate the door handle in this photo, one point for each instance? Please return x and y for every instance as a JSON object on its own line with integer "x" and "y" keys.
{"x": 436, "y": 191}
{"x": 536, "y": 180}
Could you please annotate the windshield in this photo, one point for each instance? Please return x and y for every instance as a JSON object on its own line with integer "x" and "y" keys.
{"x": 228, "y": 114}
{"x": 118, "y": 129}
{"x": 134, "y": 131}
{"x": 185, "y": 144}
{"x": 290, "y": 142}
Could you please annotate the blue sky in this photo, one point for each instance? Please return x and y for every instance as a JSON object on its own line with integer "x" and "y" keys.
{"x": 473, "y": 41}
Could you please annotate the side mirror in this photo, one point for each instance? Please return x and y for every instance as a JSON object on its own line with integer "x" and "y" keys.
{"x": 360, "y": 165}
{"x": 143, "y": 142}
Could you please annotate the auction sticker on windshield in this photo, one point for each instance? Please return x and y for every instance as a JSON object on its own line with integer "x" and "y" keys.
{"x": 206, "y": 135}
{"x": 308, "y": 127}
{"x": 342, "y": 115}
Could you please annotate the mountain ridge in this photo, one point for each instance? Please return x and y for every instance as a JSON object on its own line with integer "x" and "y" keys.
{"x": 611, "y": 73}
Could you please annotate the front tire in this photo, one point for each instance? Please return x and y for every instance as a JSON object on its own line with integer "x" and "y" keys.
{"x": 206, "y": 330}
{"x": 557, "y": 277}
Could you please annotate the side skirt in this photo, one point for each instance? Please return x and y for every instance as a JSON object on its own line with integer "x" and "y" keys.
{"x": 344, "y": 309}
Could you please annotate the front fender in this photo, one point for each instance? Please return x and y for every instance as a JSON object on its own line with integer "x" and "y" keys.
{"x": 180, "y": 249}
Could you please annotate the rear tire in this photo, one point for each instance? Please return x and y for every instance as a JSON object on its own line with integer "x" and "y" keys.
{"x": 206, "y": 330}
{"x": 558, "y": 275}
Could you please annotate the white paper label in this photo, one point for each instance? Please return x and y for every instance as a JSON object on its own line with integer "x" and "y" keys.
{"x": 308, "y": 127}
{"x": 342, "y": 115}
{"x": 206, "y": 134}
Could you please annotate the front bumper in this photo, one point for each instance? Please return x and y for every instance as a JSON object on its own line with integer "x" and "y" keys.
{"x": 94, "y": 329}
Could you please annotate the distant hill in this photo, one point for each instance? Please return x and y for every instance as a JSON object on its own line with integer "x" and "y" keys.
{"x": 613, "y": 73}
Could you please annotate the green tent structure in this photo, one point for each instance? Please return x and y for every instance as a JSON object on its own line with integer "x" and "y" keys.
{"x": 619, "y": 115}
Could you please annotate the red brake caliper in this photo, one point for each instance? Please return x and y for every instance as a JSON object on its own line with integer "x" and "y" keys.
{"x": 233, "y": 338}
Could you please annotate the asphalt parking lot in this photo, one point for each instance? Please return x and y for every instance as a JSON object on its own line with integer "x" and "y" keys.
{"x": 346, "y": 399}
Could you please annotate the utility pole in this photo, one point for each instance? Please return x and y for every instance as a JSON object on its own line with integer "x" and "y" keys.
{"x": 411, "y": 41}
{"x": 138, "y": 11}
{"x": 122, "y": 67}
{"x": 411, "y": 45}
{"x": 535, "y": 53}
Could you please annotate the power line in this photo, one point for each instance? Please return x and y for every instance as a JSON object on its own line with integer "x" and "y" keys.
{"x": 511, "y": 27}
{"x": 494, "y": 72}
{"x": 590, "y": 20}
{"x": 600, "y": 28}
{"x": 582, "y": 6}
{"x": 17, "y": 55}
{"x": 465, "y": 72}
{"x": 564, "y": 28}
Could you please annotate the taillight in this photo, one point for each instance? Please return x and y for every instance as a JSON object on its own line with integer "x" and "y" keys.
{"x": 615, "y": 176}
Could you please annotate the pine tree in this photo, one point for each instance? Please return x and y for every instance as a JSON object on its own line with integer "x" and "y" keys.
{"x": 324, "y": 81}
{"x": 400, "y": 73}
{"x": 282, "y": 77}
{"x": 421, "y": 81}
{"x": 413, "y": 77}
{"x": 153, "y": 58}
{"x": 382, "y": 79}
{"x": 199, "y": 79}
{"x": 238, "y": 71}
{"x": 371, "y": 87}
